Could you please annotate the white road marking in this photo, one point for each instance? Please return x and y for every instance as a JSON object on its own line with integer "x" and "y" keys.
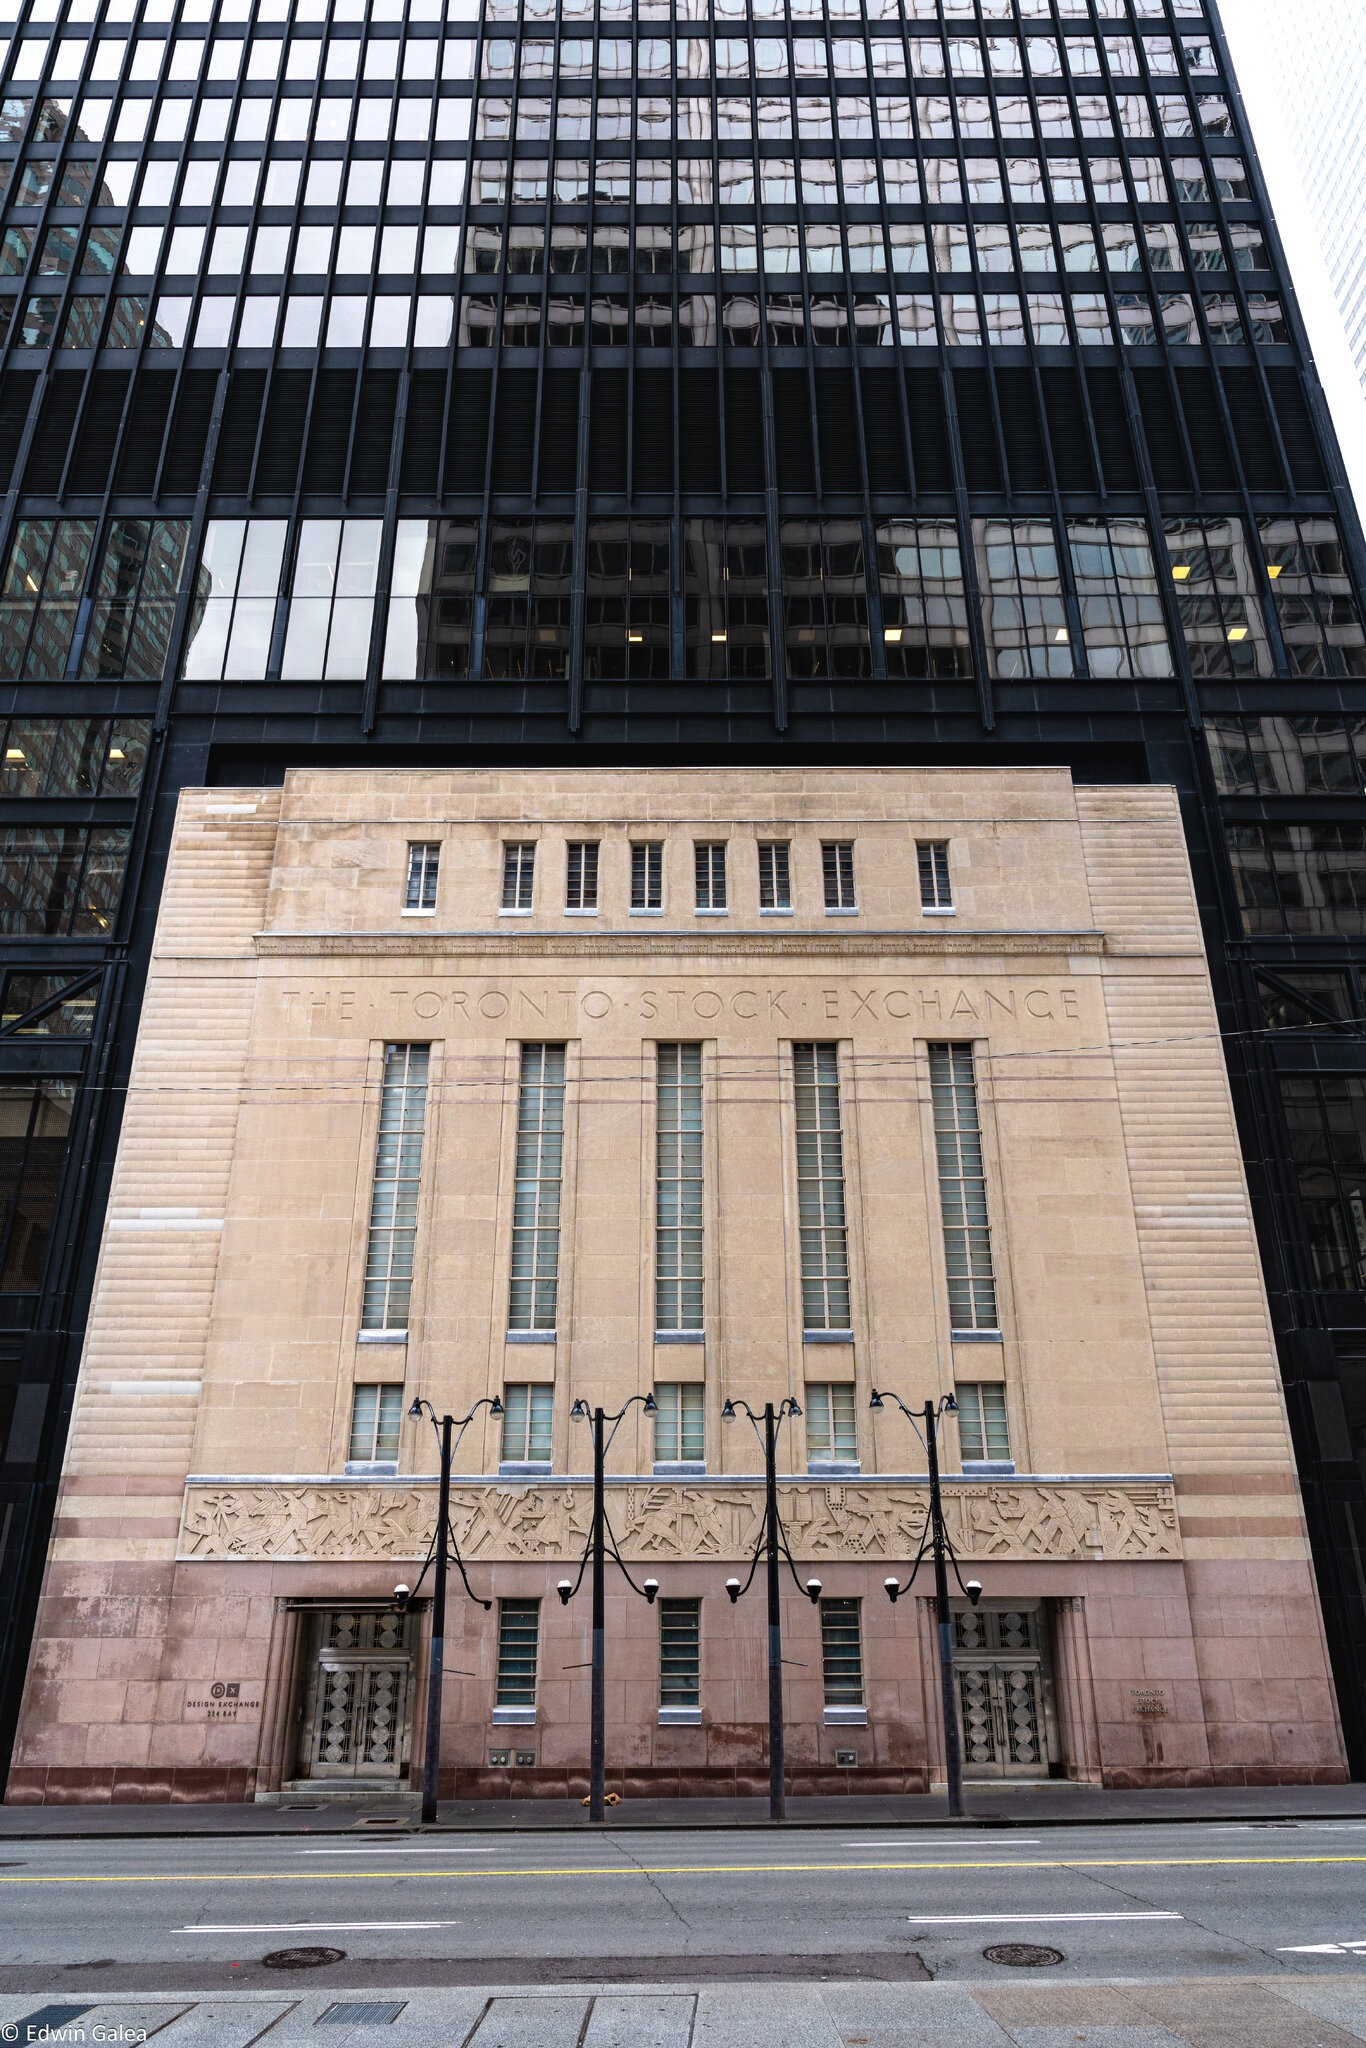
{"x": 402, "y": 1849}
{"x": 1325, "y": 1948}
{"x": 314, "y": 1926}
{"x": 950, "y": 1842}
{"x": 1024, "y": 1919}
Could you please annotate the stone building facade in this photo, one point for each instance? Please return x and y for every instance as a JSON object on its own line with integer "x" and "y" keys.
{"x": 580, "y": 1084}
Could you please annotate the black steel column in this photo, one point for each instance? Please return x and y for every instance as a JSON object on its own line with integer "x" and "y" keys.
{"x": 953, "y": 1754}
{"x": 597, "y": 1739}
{"x": 431, "y": 1761}
{"x": 777, "y": 1790}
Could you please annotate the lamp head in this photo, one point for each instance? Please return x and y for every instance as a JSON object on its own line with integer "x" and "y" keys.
{"x": 651, "y": 1590}
{"x": 813, "y": 1590}
{"x": 579, "y": 1408}
{"x": 650, "y": 1404}
{"x": 794, "y": 1407}
{"x": 974, "y": 1590}
{"x": 402, "y": 1595}
{"x": 732, "y": 1590}
{"x": 496, "y": 1405}
{"x": 728, "y": 1411}
{"x": 950, "y": 1404}
{"x": 564, "y": 1589}
{"x": 415, "y": 1411}
{"x": 892, "y": 1588}
{"x": 875, "y": 1400}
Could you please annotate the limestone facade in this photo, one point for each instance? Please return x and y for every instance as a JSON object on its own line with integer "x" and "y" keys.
{"x": 217, "y": 1619}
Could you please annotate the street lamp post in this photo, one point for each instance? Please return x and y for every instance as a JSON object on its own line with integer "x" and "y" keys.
{"x": 443, "y": 1547}
{"x": 935, "y": 1537}
{"x": 772, "y": 1545}
{"x": 601, "y": 1541}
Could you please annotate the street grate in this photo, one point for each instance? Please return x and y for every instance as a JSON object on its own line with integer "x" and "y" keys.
{"x": 373, "y": 2012}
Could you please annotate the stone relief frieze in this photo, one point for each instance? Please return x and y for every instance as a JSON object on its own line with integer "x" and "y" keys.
{"x": 1015, "y": 1520}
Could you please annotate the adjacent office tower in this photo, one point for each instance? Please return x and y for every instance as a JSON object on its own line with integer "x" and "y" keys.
{"x": 890, "y": 383}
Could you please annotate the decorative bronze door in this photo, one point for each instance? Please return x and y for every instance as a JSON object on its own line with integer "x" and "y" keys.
{"x": 357, "y": 1706}
{"x": 1004, "y": 1703}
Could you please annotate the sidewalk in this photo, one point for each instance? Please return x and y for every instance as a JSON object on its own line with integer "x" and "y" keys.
{"x": 988, "y": 1806}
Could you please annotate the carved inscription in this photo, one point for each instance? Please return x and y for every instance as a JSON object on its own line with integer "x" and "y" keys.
{"x": 930, "y": 1005}
{"x": 503, "y": 1524}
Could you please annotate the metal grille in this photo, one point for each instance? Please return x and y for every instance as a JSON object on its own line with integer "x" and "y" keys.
{"x": 679, "y": 1191}
{"x": 398, "y": 1177}
{"x": 519, "y": 1624}
{"x": 680, "y": 1653}
{"x": 536, "y": 1195}
{"x": 842, "y": 1653}
{"x": 962, "y": 1188}
{"x": 822, "y": 1233}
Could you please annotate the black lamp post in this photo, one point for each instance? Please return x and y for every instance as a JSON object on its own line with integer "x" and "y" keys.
{"x": 600, "y": 1541}
{"x": 935, "y": 1537}
{"x": 443, "y": 1547}
{"x": 771, "y": 1545}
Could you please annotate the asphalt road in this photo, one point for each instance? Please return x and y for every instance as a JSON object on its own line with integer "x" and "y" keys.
{"x": 1139, "y": 1903}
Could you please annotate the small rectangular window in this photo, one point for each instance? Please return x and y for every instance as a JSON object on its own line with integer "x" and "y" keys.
{"x": 647, "y": 874}
{"x": 837, "y": 872}
{"x": 710, "y": 860}
{"x": 528, "y": 1411}
{"x": 842, "y": 1653}
{"x": 679, "y": 1434}
{"x": 831, "y": 1431}
{"x": 519, "y": 871}
{"x": 376, "y": 1417}
{"x": 982, "y": 1428}
{"x": 680, "y": 1653}
{"x": 424, "y": 861}
{"x": 518, "y": 1631}
{"x": 775, "y": 874}
{"x": 932, "y": 858}
{"x": 581, "y": 875}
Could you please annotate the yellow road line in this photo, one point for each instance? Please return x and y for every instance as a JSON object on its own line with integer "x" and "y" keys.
{"x": 679, "y": 1870}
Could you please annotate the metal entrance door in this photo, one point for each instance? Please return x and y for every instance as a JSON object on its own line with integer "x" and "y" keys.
{"x": 357, "y": 1705}
{"x": 1004, "y": 1706}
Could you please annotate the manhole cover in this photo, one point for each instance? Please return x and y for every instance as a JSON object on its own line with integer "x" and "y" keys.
{"x": 302, "y": 1958}
{"x": 1024, "y": 1955}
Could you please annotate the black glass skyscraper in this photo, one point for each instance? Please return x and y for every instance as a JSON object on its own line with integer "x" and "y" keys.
{"x": 777, "y": 380}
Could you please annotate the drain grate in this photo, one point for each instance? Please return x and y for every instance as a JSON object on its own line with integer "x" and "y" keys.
{"x": 1024, "y": 1955}
{"x": 302, "y": 1958}
{"x": 363, "y": 2012}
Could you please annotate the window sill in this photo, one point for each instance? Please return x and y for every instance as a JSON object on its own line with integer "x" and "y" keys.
{"x": 514, "y": 1717}
{"x": 580, "y": 913}
{"x": 381, "y": 1336}
{"x": 700, "y": 912}
{"x": 647, "y": 913}
{"x": 846, "y": 1717}
{"x": 515, "y": 913}
{"x": 680, "y": 1717}
{"x": 988, "y": 1468}
{"x": 679, "y": 1468}
{"x": 405, "y": 912}
{"x": 833, "y": 1468}
{"x": 376, "y": 1468}
{"x": 777, "y": 910}
{"x": 525, "y": 1468}
{"x": 827, "y": 1336}
{"x": 975, "y": 1336}
{"x": 939, "y": 910}
{"x": 841, "y": 910}
{"x": 530, "y": 1337}
{"x": 680, "y": 1336}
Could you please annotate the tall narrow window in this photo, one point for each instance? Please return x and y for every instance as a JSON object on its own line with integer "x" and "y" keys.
{"x": 841, "y": 1653}
{"x": 647, "y": 874}
{"x": 393, "y": 1202}
{"x": 710, "y": 861}
{"x": 678, "y": 1188}
{"x": 519, "y": 873}
{"x": 962, "y": 1188}
{"x": 581, "y": 875}
{"x": 936, "y": 890}
{"x": 376, "y": 1418}
{"x": 831, "y": 1431}
{"x": 528, "y": 1414}
{"x": 679, "y": 1432}
{"x": 820, "y": 1188}
{"x": 680, "y": 1656}
{"x": 424, "y": 861}
{"x": 982, "y": 1428}
{"x": 775, "y": 874}
{"x": 837, "y": 873}
{"x": 518, "y": 1631}
{"x": 536, "y": 1196}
